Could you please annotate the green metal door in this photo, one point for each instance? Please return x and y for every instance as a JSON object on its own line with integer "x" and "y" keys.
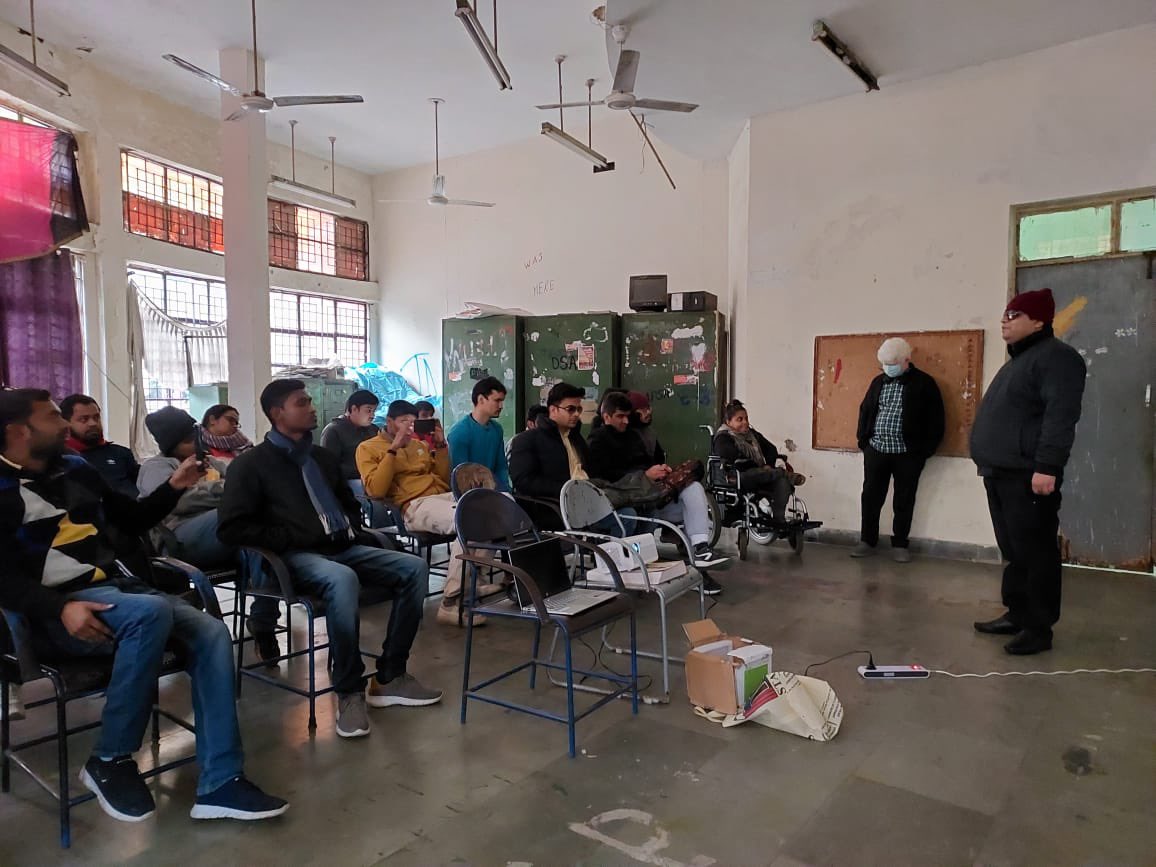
{"x": 679, "y": 361}
{"x": 473, "y": 349}
{"x": 583, "y": 349}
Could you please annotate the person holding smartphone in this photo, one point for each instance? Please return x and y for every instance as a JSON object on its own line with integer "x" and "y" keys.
{"x": 399, "y": 466}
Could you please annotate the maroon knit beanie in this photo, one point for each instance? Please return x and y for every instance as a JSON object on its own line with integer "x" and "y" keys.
{"x": 638, "y": 400}
{"x": 1038, "y": 305}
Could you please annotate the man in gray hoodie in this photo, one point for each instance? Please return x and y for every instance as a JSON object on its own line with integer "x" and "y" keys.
{"x": 193, "y": 523}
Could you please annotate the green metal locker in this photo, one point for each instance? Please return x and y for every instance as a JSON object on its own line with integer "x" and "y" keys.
{"x": 473, "y": 349}
{"x": 583, "y": 349}
{"x": 679, "y": 361}
{"x": 329, "y": 397}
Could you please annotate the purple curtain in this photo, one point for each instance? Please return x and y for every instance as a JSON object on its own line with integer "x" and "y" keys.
{"x": 41, "y": 344}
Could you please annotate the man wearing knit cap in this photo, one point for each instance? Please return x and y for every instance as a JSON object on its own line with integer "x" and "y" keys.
{"x": 1021, "y": 441}
{"x": 193, "y": 521}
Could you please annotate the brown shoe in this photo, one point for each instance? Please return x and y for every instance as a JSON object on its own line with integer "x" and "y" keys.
{"x": 448, "y": 616}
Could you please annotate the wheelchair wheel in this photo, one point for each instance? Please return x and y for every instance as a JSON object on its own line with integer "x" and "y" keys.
{"x": 795, "y": 538}
{"x": 763, "y": 537}
{"x": 714, "y": 517}
{"x": 744, "y": 542}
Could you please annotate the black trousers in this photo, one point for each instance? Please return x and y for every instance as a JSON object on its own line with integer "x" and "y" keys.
{"x": 1027, "y": 531}
{"x": 773, "y": 483}
{"x": 878, "y": 471}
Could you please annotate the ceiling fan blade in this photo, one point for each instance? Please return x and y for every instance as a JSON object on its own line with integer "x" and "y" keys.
{"x": 559, "y": 105}
{"x": 237, "y": 115}
{"x": 282, "y": 101}
{"x": 470, "y": 203}
{"x": 626, "y": 72}
{"x": 201, "y": 73}
{"x": 664, "y": 105}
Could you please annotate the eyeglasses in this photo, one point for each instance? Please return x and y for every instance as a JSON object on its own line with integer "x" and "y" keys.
{"x": 572, "y": 410}
{"x": 1009, "y": 315}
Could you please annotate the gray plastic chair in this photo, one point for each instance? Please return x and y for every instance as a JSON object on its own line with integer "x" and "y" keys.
{"x": 584, "y": 505}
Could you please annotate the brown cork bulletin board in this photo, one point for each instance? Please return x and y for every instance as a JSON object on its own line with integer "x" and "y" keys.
{"x": 845, "y": 364}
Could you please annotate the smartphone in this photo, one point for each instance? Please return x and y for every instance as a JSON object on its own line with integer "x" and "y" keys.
{"x": 202, "y": 452}
{"x": 425, "y": 426}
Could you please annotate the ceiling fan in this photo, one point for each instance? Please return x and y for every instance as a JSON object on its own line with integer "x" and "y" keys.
{"x": 255, "y": 101}
{"x": 438, "y": 194}
{"x": 621, "y": 96}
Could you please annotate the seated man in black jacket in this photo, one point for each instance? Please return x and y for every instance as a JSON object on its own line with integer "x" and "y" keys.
{"x": 61, "y": 572}
{"x": 900, "y": 427}
{"x": 547, "y": 456}
{"x": 290, "y": 496}
{"x": 616, "y": 450}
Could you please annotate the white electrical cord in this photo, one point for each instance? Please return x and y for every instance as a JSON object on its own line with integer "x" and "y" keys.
{"x": 1048, "y": 673}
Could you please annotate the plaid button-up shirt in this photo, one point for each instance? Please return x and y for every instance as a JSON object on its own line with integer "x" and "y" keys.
{"x": 888, "y": 435}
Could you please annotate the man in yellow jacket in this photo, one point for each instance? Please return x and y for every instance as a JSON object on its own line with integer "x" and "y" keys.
{"x": 395, "y": 465}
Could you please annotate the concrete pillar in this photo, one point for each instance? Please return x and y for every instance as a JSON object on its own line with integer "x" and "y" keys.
{"x": 245, "y": 175}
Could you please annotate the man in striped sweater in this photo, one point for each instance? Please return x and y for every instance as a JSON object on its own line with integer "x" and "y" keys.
{"x": 62, "y": 573}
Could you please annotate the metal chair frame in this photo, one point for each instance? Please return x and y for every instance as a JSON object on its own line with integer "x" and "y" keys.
{"x": 568, "y": 627}
{"x": 600, "y": 508}
{"x": 21, "y": 666}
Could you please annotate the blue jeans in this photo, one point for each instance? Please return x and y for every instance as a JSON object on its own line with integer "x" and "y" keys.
{"x": 199, "y": 544}
{"x": 143, "y": 622}
{"x": 337, "y": 579}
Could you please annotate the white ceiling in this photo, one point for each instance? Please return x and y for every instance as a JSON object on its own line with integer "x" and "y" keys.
{"x": 742, "y": 58}
{"x": 737, "y": 58}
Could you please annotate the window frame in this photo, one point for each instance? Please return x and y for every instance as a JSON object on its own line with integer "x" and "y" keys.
{"x": 173, "y": 227}
{"x": 283, "y": 243}
{"x": 1029, "y": 209}
{"x": 334, "y": 335}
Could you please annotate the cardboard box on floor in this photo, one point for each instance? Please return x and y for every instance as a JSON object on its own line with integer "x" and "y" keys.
{"x": 723, "y": 671}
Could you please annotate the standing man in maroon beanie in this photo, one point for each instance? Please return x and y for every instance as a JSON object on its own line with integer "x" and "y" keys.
{"x": 1020, "y": 442}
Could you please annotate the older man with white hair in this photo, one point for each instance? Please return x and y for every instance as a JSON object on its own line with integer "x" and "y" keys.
{"x": 900, "y": 427}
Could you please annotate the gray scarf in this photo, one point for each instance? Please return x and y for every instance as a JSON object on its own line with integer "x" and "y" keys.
{"x": 748, "y": 445}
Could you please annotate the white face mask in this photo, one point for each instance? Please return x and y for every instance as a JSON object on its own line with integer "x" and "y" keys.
{"x": 893, "y": 370}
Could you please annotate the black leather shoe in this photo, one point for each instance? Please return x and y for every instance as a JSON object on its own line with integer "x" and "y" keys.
{"x": 999, "y": 626}
{"x": 1027, "y": 643}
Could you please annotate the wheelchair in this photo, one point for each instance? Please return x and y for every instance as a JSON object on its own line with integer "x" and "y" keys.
{"x": 740, "y": 510}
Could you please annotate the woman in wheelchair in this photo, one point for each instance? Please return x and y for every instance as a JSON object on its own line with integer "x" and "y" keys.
{"x": 756, "y": 459}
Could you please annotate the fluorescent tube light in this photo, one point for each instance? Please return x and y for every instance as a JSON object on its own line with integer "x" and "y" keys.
{"x": 10, "y": 58}
{"x": 601, "y": 164}
{"x": 822, "y": 34}
{"x": 469, "y": 18}
{"x": 304, "y": 189}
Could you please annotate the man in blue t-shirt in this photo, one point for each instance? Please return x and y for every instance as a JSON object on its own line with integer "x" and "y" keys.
{"x": 477, "y": 438}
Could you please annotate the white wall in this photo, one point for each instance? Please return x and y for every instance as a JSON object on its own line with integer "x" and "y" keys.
{"x": 108, "y": 113}
{"x": 561, "y": 238}
{"x": 890, "y": 211}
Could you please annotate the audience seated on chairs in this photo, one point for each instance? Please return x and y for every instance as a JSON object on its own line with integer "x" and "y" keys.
{"x": 221, "y": 432}
{"x": 115, "y": 463}
{"x": 737, "y": 441}
{"x": 477, "y": 438}
{"x": 397, "y": 466}
{"x": 288, "y": 496}
{"x": 616, "y": 450}
{"x": 63, "y": 576}
{"x": 192, "y": 524}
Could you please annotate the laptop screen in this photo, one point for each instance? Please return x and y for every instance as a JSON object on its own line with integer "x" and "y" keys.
{"x": 544, "y": 562}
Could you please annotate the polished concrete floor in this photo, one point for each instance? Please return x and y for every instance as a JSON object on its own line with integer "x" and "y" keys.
{"x": 1000, "y": 771}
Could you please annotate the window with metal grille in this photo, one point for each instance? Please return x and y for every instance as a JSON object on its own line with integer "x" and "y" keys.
{"x": 9, "y": 113}
{"x": 170, "y": 204}
{"x": 190, "y": 299}
{"x": 308, "y": 327}
{"x": 306, "y": 239}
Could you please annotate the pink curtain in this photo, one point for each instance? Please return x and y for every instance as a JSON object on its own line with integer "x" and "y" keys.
{"x": 41, "y": 343}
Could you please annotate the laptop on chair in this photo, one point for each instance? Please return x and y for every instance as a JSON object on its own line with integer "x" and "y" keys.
{"x": 544, "y": 562}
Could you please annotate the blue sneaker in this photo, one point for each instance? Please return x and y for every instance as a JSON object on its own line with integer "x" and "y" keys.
{"x": 118, "y": 788}
{"x": 238, "y": 799}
